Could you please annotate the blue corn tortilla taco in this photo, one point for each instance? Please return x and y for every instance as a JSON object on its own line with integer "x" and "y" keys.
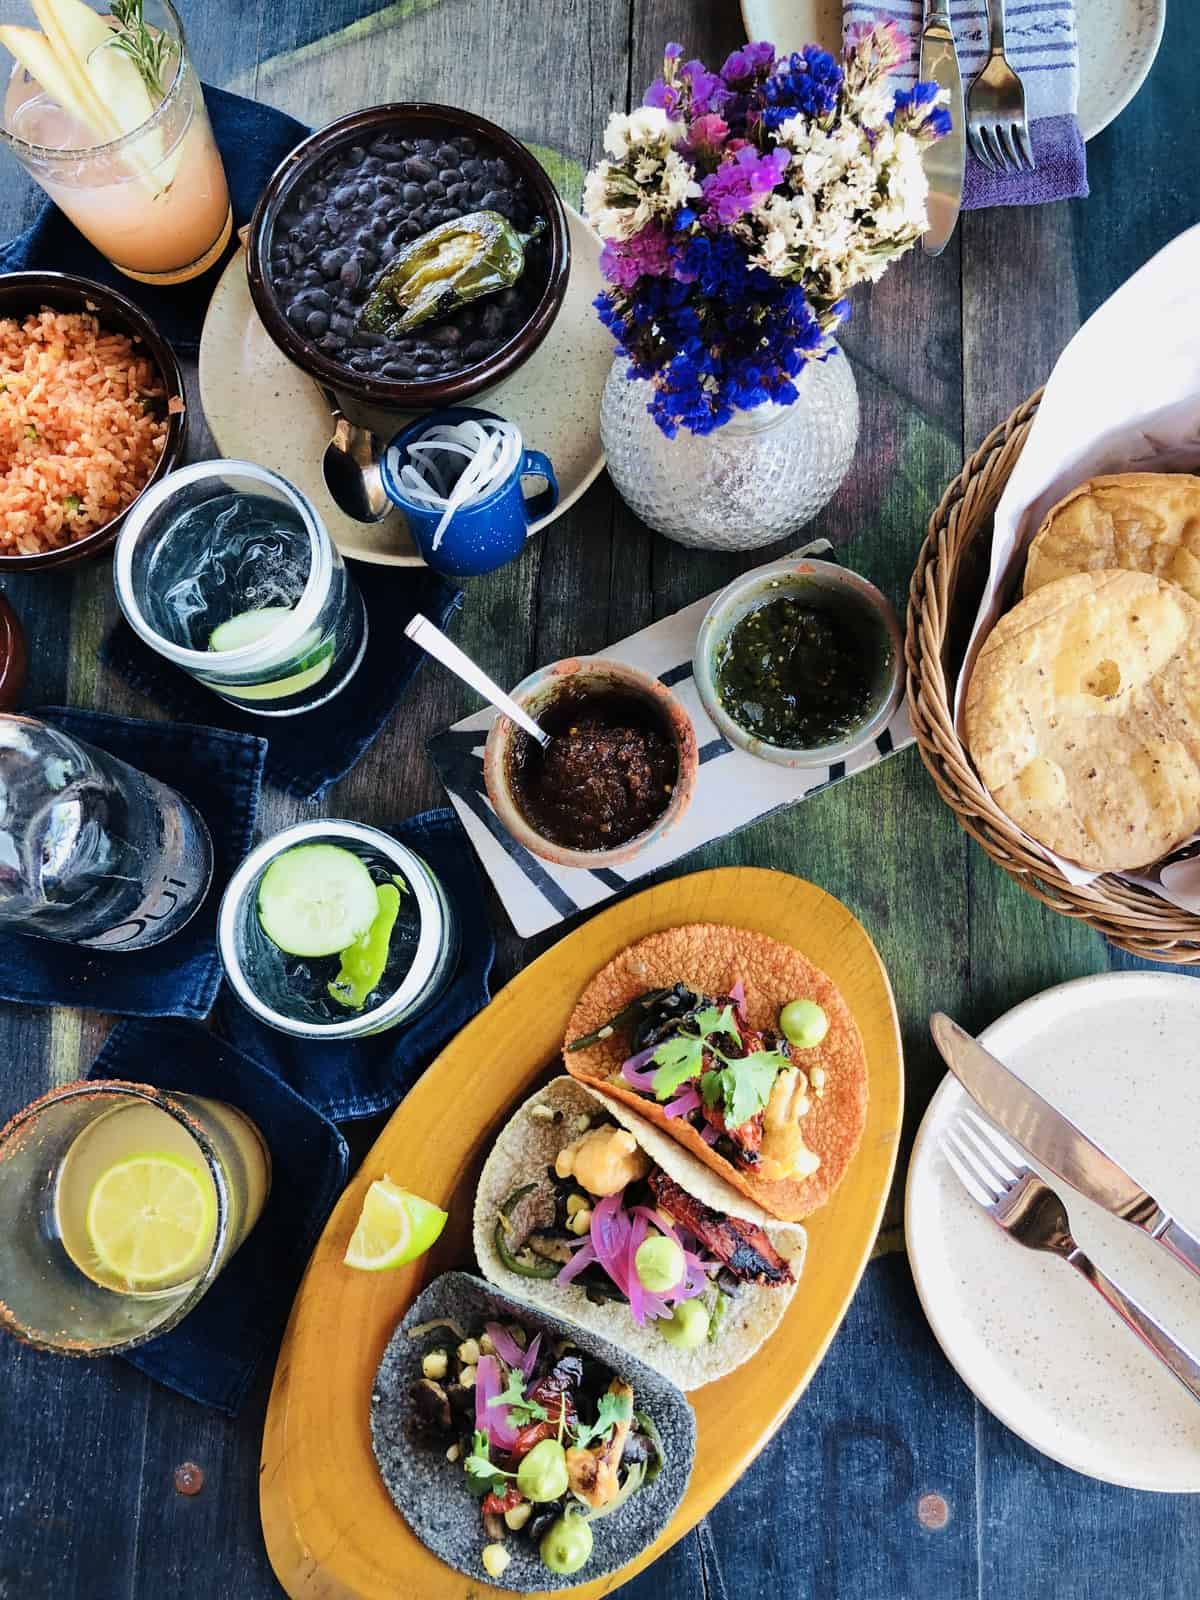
{"x": 520, "y": 1449}
{"x": 589, "y": 1211}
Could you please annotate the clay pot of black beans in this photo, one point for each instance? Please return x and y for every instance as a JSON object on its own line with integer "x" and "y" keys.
{"x": 356, "y": 210}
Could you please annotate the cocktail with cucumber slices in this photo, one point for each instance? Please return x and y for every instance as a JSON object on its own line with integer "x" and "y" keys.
{"x": 227, "y": 570}
{"x": 335, "y": 930}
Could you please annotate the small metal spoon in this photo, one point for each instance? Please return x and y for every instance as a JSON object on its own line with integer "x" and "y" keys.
{"x": 351, "y": 466}
{"x": 435, "y": 643}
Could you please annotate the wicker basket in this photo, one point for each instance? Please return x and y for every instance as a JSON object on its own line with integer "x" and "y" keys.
{"x": 1135, "y": 919}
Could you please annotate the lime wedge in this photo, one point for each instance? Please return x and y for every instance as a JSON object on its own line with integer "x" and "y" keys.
{"x": 151, "y": 1219}
{"x": 393, "y": 1227}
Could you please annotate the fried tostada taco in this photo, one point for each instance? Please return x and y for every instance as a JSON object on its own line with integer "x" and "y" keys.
{"x": 740, "y": 1049}
{"x": 586, "y": 1209}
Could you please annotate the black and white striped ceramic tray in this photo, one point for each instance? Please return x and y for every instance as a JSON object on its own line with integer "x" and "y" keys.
{"x": 734, "y": 789}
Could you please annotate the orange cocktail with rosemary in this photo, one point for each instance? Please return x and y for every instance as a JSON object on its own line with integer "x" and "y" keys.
{"x": 105, "y": 111}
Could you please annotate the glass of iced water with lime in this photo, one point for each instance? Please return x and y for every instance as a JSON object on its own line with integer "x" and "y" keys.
{"x": 227, "y": 571}
{"x": 335, "y": 930}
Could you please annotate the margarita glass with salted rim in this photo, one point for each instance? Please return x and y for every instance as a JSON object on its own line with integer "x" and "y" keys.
{"x": 154, "y": 200}
{"x": 226, "y": 570}
{"x": 68, "y": 1166}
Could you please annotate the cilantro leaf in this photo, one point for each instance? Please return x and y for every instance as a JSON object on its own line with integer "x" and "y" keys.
{"x": 514, "y": 1398}
{"x": 744, "y": 1086}
{"x": 481, "y": 1474}
{"x": 677, "y": 1059}
{"x": 711, "y": 1021}
{"x": 682, "y": 1055}
{"x": 613, "y": 1408}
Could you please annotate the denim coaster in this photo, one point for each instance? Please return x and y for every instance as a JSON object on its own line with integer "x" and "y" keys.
{"x": 310, "y": 751}
{"x": 356, "y": 1077}
{"x": 221, "y": 774}
{"x": 214, "y": 1352}
{"x": 253, "y": 140}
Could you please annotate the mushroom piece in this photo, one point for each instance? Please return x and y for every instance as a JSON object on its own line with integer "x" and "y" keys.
{"x": 431, "y": 1405}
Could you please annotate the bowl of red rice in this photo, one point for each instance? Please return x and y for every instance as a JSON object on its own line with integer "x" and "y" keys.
{"x": 92, "y": 412}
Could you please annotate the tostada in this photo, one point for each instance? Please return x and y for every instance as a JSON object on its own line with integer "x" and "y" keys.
{"x": 740, "y": 1049}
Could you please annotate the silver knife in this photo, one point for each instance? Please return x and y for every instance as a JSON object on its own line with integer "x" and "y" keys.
{"x": 1055, "y": 1140}
{"x": 944, "y": 158}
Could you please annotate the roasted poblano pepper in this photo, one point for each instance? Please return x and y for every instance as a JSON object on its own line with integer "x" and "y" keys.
{"x": 443, "y": 269}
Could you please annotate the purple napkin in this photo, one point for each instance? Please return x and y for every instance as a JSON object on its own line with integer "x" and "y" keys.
{"x": 1043, "y": 50}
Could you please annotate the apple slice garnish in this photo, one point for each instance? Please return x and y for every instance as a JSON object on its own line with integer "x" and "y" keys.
{"x": 74, "y": 27}
{"x": 36, "y": 54}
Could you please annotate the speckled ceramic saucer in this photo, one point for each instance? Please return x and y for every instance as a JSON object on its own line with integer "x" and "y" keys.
{"x": 1118, "y": 40}
{"x": 262, "y": 408}
{"x": 1118, "y": 1054}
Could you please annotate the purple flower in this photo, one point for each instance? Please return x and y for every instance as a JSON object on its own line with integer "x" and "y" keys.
{"x": 739, "y": 184}
{"x": 647, "y": 254}
{"x": 747, "y": 66}
{"x": 673, "y": 52}
{"x": 708, "y": 92}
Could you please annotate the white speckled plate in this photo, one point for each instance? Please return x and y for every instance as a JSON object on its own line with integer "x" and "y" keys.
{"x": 1118, "y": 1054}
{"x": 262, "y": 408}
{"x": 1118, "y": 40}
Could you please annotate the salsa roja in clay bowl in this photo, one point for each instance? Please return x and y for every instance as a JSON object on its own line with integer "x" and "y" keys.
{"x": 409, "y": 255}
{"x": 619, "y": 774}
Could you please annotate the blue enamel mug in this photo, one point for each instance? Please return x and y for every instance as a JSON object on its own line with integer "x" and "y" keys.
{"x": 483, "y": 534}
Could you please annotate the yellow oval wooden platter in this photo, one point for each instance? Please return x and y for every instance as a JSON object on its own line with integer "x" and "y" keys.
{"x": 331, "y": 1531}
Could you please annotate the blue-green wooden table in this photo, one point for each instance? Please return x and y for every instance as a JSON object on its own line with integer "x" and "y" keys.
{"x": 888, "y": 1482}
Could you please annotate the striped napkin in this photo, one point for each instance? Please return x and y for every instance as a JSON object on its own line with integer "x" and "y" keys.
{"x": 1043, "y": 50}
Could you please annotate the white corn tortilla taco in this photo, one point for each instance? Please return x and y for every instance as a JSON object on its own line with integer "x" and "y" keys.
{"x": 528, "y": 1145}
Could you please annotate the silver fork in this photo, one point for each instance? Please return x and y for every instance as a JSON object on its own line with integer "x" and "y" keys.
{"x": 997, "y": 127}
{"x": 994, "y": 1172}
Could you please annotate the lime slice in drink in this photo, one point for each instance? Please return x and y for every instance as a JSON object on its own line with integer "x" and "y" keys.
{"x": 316, "y": 899}
{"x": 363, "y": 961}
{"x": 150, "y": 1219}
{"x": 249, "y": 627}
{"x": 393, "y": 1227}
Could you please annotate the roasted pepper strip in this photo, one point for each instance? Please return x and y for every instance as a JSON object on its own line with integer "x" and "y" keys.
{"x": 453, "y": 263}
{"x": 525, "y": 1269}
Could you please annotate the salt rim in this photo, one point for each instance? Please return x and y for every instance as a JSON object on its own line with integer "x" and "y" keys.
{"x": 492, "y": 448}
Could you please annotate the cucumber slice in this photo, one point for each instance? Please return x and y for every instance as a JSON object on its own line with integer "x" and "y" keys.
{"x": 316, "y": 900}
{"x": 249, "y": 627}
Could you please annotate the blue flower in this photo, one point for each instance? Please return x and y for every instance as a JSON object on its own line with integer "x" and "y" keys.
{"x": 807, "y": 82}
{"x": 911, "y": 105}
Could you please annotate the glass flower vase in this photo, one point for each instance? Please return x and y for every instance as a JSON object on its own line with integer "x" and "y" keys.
{"x": 756, "y": 480}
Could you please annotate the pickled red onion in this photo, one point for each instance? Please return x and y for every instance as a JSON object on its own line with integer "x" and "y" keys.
{"x": 491, "y": 1419}
{"x": 688, "y": 1100}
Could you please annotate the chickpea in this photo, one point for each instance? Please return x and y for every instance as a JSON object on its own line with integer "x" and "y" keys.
{"x": 518, "y": 1516}
{"x": 468, "y": 1352}
{"x": 581, "y": 1222}
{"x": 495, "y": 1559}
{"x": 434, "y": 1365}
{"x": 486, "y": 1347}
{"x": 467, "y": 1377}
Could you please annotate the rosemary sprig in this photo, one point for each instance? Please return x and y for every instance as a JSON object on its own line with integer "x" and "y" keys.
{"x": 148, "y": 48}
